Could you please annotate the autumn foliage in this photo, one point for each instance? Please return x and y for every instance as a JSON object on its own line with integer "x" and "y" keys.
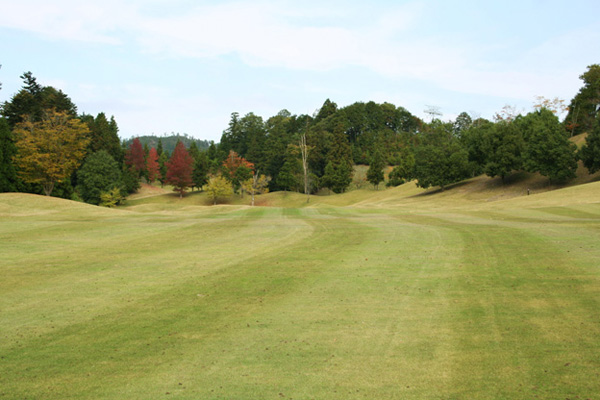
{"x": 152, "y": 165}
{"x": 50, "y": 150}
{"x": 179, "y": 169}
{"x": 135, "y": 157}
{"x": 233, "y": 162}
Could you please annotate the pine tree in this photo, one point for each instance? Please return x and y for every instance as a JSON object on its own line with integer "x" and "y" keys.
{"x": 375, "y": 173}
{"x": 338, "y": 171}
{"x": 159, "y": 147}
{"x": 8, "y": 174}
{"x": 200, "y": 172}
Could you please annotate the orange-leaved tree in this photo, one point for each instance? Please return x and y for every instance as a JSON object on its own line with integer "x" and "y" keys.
{"x": 179, "y": 169}
{"x": 51, "y": 149}
{"x": 237, "y": 169}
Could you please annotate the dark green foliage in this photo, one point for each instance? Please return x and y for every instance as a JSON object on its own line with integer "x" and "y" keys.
{"x": 104, "y": 135}
{"x": 276, "y": 146}
{"x": 396, "y": 177}
{"x": 583, "y": 107}
{"x": 328, "y": 109}
{"x": 162, "y": 167}
{"x": 8, "y": 174}
{"x": 130, "y": 181}
{"x": 503, "y": 147}
{"x": 462, "y": 123}
{"x": 474, "y": 140}
{"x": 241, "y": 174}
{"x": 159, "y": 147}
{"x": 169, "y": 142}
{"x": 99, "y": 173}
{"x": 440, "y": 159}
{"x": 193, "y": 151}
{"x": 33, "y": 99}
{"x": 290, "y": 174}
{"x": 338, "y": 171}
{"x": 375, "y": 173}
{"x": 200, "y": 172}
{"x": 547, "y": 149}
{"x": 404, "y": 171}
{"x": 590, "y": 152}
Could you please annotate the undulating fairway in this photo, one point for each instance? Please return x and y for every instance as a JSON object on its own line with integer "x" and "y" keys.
{"x": 388, "y": 296}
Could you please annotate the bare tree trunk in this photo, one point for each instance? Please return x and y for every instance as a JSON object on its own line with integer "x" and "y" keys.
{"x": 254, "y": 185}
{"x": 48, "y": 187}
{"x": 304, "y": 149}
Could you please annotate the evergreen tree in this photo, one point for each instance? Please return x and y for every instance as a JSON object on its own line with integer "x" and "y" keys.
{"x": 547, "y": 147}
{"x": 99, "y": 173}
{"x": 8, "y": 174}
{"x": 288, "y": 177}
{"x": 338, "y": 171}
{"x": 32, "y": 101}
{"x": 583, "y": 107}
{"x": 193, "y": 151}
{"x": 590, "y": 152}
{"x": 130, "y": 181}
{"x": 103, "y": 135}
{"x": 375, "y": 173}
{"x": 504, "y": 145}
{"x": 440, "y": 159}
{"x": 404, "y": 170}
{"x": 200, "y": 172}
{"x": 159, "y": 148}
{"x": 474, "y": 140}
{"x": 162, "y": 168}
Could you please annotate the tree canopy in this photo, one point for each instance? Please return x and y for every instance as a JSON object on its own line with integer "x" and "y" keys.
{"x": 50, "y": 150}
{"x": 179, "y": 169}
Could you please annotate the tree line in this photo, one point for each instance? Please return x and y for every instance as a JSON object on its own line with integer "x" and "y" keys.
{"x": 46, "y": 147}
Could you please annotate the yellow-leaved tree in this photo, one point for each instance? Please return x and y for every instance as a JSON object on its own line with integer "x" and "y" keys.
{"x": 256, "y": 185}
{"x": 218, "y": 187}
{"x": 50, "y": 150}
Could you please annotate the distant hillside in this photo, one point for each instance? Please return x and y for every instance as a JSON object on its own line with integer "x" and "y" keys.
{"x": 169, "y": 142}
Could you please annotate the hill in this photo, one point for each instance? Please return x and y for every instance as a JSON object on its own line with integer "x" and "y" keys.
{"x": 169, "y": 142}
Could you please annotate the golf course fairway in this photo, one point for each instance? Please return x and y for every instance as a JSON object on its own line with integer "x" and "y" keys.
{"x": 380, "y": 297}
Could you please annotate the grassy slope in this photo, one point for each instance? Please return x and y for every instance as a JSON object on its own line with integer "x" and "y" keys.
{"x": 408, "y": 294}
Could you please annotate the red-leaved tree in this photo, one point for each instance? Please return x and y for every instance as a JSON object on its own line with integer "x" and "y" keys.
{"x": 152, "y": 165}
{"x": 179, "y": 169}
{"x": 135, "y": 158}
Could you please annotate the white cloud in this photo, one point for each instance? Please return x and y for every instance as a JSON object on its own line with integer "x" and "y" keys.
{"x": 387, "y": 40}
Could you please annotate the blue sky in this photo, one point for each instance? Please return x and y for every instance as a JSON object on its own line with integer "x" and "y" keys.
{"x": 184, "y": 66}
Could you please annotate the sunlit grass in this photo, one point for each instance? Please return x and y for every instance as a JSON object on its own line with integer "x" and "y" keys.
{"x": 390, "y": 294}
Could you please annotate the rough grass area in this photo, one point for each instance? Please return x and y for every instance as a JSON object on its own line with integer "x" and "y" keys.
{"x": 391, "y": 294}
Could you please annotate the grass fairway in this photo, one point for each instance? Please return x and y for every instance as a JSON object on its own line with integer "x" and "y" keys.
{"x": 389, "y": 295}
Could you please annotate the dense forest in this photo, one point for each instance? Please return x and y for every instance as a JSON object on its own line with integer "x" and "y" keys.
{"x": 47, "y": 147}
{"x": 169, "y": 141}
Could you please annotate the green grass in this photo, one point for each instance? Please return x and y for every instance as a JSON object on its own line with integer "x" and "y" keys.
{"x": 390, "y": 294}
